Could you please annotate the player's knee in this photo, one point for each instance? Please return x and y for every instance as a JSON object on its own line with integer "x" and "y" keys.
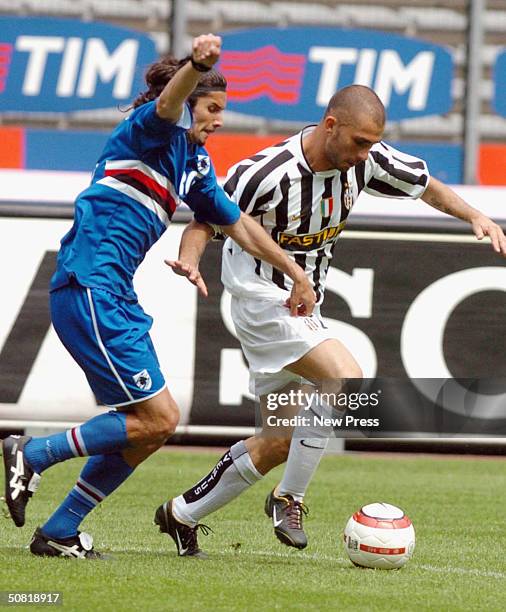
{"x": 343, "y": 372}
{"x": 157, "y": 424}
{"x": 168, "y": 423}
{"x": 354, "y": 372}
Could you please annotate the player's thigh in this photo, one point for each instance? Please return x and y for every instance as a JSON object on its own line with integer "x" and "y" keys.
{"x": 329, "y": 360}
{"x": 271, "y": 340}
{"x": 109, "y": 339}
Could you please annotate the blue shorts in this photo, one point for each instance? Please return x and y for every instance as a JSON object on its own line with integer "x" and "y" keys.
{"x": 109, "y": 338}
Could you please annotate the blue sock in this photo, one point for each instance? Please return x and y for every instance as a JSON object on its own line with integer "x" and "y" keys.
{"x": 101, "y": 475}
{"x": 103, "y": 434}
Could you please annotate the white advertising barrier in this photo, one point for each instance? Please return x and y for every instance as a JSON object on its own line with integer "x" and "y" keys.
{"x": 409, "y": 305}
{"x": 37, "y": 186}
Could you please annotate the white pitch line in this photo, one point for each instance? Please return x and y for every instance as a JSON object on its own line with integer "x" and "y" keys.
{"x": 310, "y": 557}
{"x": 429, "y": 568}
{"x": 463, "y": 571}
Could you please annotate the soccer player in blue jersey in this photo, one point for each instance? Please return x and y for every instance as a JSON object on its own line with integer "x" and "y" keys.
{"x": 154, "y": 159}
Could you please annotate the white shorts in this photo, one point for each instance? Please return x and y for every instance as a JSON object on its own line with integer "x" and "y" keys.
{"x": 271, "y": 339}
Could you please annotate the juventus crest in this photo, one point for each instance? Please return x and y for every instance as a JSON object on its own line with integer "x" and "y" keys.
{"x": 348, "y": 195}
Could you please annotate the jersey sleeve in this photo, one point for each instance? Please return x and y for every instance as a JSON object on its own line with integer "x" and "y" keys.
{"x": 210, "y": 203}
{"x": 149, "y": 131}
{"x": 393, "y": 174}
{"x": 253, "y": 189}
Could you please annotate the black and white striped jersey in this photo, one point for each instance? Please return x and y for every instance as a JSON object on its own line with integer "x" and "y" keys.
{"x": 305, "y": 211}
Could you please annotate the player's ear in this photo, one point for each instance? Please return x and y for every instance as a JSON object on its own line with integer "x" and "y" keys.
{"x": 329, "y": 122}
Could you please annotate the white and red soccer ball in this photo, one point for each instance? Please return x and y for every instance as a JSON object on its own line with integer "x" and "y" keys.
{"x": 379, "y": 536}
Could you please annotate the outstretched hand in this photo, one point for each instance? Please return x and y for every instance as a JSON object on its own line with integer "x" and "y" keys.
{"x": 191, "y": 272}
{"x": 483, "y": 226}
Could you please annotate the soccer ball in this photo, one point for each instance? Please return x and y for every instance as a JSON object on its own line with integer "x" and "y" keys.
{"x": 379, "y": 536}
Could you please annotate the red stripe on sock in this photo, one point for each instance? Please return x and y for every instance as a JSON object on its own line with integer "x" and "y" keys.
{"x": 74, "y": 437}
{"x": 91, "y": 493}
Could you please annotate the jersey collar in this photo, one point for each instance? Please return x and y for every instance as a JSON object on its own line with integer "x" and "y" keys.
{"x": 299, "y": 151}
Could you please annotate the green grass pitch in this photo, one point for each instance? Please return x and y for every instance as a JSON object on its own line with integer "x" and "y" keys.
{"x": 457, "y": 507}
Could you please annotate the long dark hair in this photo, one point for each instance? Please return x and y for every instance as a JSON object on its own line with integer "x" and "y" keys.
{"x": 161, "y": 72}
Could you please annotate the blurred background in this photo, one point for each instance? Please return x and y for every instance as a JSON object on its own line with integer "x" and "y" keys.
{"x": 68, "y": 72}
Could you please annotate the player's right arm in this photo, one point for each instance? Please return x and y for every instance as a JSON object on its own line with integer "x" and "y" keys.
{"x": 170, "y": 104}
{"x": 441, "y": 197}
{"x": 250, "y": 236}
{"x": 191, "y": 248}
{"x": 153, "y": 123}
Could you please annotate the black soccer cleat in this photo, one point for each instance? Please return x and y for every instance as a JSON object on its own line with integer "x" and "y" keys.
{"x": 21, "y": 481}
{"x": 286, "y": 514}
{"x": 79, "y": 546}
{"x": 184, "y": 536}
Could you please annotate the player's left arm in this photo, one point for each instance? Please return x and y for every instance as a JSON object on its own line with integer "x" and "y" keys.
{"x": 191, "y": 248}
{"x": 440, "y": 196}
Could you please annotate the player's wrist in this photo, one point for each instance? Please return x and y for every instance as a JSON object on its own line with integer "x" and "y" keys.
{"x": 297, "y": 274}
{"x": 199, "y": 66}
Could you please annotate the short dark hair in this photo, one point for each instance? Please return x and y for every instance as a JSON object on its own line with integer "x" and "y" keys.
{"x": 161, "y": 72}
{"x": 357, "y": 98}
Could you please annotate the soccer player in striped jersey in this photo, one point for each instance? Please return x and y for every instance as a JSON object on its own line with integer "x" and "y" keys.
{"x": 153, "y": 159}
{"x": 301, "y": 192}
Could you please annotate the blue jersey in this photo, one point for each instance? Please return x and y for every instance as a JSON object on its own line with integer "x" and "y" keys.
{"x": 147, "y": 167}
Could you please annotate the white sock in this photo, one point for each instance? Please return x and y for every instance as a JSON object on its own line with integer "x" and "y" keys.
{"x": 233, "y": 474}
{"x": 306, "y": 450}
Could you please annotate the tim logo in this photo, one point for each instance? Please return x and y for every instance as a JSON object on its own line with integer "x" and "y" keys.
{"x": 143, "y": 380}
{"x": 291, "y": 73}
{"x": 263, "y": 72}
{"x": 62, "y": 65}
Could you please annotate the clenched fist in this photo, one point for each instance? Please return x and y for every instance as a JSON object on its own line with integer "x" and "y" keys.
{"x": 206, "y": 49}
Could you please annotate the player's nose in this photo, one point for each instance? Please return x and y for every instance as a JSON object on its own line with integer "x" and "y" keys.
{"x": 218, "y": 121}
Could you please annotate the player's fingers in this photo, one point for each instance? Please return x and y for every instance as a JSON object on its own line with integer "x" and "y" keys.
{"x": 172, "y": 264}
{"x": 202, "y": 287}
{"x": 495, "y": 242}
{"x": 498, "y": 239}
{"x": 294, "y": 304}
{"x": 494, "y": 238}
{"x": 502, "y": 241}
{"x": 194, "y": 275}
{"x": 308, "y": 306}
{"x": 199, "y": 48}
